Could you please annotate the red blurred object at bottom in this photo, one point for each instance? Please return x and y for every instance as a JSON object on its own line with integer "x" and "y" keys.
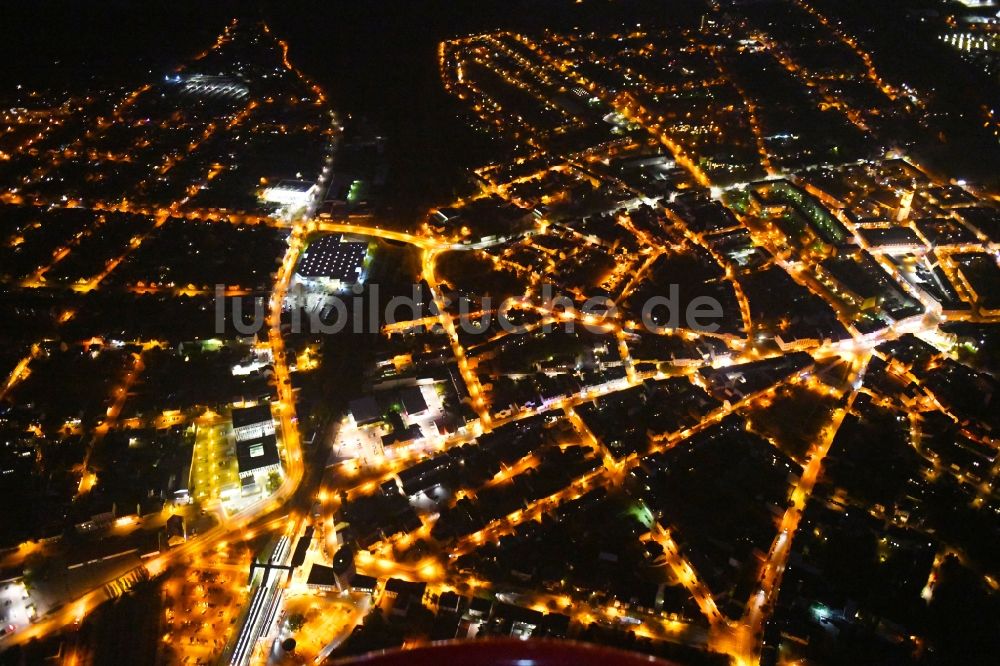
{"x": 507, "y": 653}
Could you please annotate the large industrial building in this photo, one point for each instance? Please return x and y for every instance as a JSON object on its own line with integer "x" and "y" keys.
{"x": 291, "y": 193}
{"x": 205, "y": 85}
{"x": 332, "y": 263}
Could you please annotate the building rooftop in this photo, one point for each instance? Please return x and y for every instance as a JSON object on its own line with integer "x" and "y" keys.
{"x": 301, "y": 546}
{"x": 362, "y": 582}
{"x": 333, "y": 257}
{"x": 302, "y": 186}
{"x": 365, "y": 410}
{"x": 258, "y": 453}
{"x": 399, "y": 586}
{"x": 248, "y": 416}
{"x": 323, "y": 575}
{"x": 343, "y": 559}
{"x": 413, "y": 400}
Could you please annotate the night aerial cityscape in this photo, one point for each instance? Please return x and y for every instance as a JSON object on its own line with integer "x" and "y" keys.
{"x": 524, "y": 332}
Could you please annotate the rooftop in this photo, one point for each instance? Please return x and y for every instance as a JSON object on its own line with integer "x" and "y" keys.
{"x": 248, "y": 416}
{"x": 333, "y": 257}
{"x": 255, "y": 454}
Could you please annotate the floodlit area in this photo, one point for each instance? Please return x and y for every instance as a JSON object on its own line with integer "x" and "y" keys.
{"x": 319, "y": 623}
{"x": 16, "y": 607}
{"x": 366, "y": 445}
{"x": 214, "y": 473}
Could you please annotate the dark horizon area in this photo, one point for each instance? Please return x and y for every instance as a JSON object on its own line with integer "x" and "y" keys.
{"x": 375, "y": 60}
{"x": 378, "y": 60}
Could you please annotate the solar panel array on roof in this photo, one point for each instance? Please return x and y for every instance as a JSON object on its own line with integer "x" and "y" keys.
{"x": 332, "y": 257}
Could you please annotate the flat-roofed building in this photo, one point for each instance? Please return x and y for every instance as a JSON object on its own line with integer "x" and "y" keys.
{"x": 208, "y": 85}
{"x": 332, "y": 263}
{"x": 253, "y": 422}
{"x": 257, "y": 456}
{"x": 292, "y": 193}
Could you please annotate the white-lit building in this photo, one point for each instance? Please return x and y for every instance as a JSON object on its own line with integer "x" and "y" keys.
{"x": 253, "y": 422}
{"x": 207, "y": 85}
{"x": 291, "y": 193}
